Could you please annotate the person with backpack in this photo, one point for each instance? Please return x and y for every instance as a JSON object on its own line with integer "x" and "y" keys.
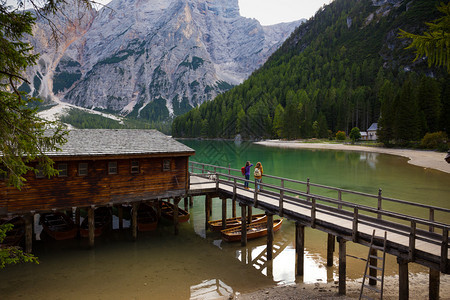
{"x": 246, "y": 172}
{"x": 258, "y": 175}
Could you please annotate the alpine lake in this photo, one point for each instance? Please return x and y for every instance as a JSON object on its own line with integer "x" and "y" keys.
{"x": 196, "y": 263}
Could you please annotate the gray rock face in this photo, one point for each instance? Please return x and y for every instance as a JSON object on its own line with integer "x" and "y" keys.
{"x": 140, "y": 55}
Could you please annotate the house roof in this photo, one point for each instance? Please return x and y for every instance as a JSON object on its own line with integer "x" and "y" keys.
{"x": 105, "y": 142}
{"x": 373, "y": 127}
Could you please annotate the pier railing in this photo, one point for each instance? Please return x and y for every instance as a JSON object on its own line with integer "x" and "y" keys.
{"x": 299, "y": 194}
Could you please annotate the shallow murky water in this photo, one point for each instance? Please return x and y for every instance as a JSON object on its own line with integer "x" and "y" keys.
{"x": 196, "y": 264}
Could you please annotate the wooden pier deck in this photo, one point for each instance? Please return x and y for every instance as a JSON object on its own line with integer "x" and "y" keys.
{"x": 409, "y": 238}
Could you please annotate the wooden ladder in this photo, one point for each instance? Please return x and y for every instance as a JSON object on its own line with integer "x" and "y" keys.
{"x": 369, "y": 266}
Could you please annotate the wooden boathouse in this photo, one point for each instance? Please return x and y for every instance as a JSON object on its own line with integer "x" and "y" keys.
{"x": 101, "y": 167}
{"x": 347, "y": 216}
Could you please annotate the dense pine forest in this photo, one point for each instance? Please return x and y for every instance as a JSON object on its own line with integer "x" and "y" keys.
{"x": 346, "y": 67}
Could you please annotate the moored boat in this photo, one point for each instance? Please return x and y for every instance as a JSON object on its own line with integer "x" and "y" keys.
{"x": 254, "y": 230}
{"x": 15, "y": 235}
{"x": 147, "y": 219}
{"x": 167, "y": 212}
{"x": 58, "y": 225}
{"x": 102, "y": 221}
{"x": 216, "y": 225}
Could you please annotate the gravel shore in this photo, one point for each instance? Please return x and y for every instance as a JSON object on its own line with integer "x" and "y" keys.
{"x": 426, "y": 159}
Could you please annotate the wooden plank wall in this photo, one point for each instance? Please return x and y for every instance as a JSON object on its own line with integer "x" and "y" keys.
{"x": 98, "y": 187}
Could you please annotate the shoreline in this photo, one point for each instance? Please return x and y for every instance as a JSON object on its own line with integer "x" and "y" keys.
{"x": 421, "y": 158}
{"x": 418, "y": 289}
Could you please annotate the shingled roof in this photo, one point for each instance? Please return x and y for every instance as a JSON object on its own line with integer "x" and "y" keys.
{"x": 104, "y": 142}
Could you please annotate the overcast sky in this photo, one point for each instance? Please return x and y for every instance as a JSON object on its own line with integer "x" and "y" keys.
{"x": 269, "y": 12}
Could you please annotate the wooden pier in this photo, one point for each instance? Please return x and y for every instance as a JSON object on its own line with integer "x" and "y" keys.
{"x": 409, "y": 238}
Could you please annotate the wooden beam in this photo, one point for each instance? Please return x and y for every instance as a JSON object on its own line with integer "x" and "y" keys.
{"x": 342, "y": 265}
{"x": 120, "y": 213}
{"x": 91, "y": 225}
{"x": 28, "y": 233}
{"x": 134, "y": 220}
{"x": 243, "y": 225}
{"x": 191, "y": 201}
{"x": 77, "y": 217}
{"x": 233, "y": 208}
{"x": 269, "y": 236}
{"x": 330, "y": 249}
{"x": 176, "y": 200}
{"x": 250, "y": 214}
{"x": 299, "y": 248}
{"x": 403, "y": 279}
{"x": 186, "y": 203}
{"x": 224, "y": 212}
{"x": 208, "y": 204}
{"x": 434, "y": 284}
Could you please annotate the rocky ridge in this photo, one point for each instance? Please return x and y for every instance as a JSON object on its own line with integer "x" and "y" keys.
{"x": 149, "y": 58}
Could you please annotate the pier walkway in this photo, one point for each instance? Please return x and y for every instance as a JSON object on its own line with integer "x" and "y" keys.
{"x": 419, "y": 236}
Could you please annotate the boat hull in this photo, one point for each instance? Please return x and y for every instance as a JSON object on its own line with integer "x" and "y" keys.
{"x": 167, "y": 212}
{"x": 216, "y": 225}
{"x": 58, "y": 226}
{"x": 147, "y": 219}
{"x": 102, "y": 221}
{"x": 254, "y": 230}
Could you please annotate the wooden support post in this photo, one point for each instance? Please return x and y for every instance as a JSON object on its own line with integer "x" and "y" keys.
{"x": 403, "y": 280}
{"x": 299, "y": 248}
{"x": 250, "y": 214}
{"x": 269, "y": 236}
{"x": 308, "y": 188}
{"x": 412, "y": 241}
{"x": 379, "y": 206}
{"x": 255, "y": 196}
{"x": 280, "y": 205}
{"x": 243, "y": 225}
{"x": 340, "y": 199}
{"x": 208, "y": 204}
{"x": 77, "y": 217}
{"x": 355, "y": 224}
{"x": 134, "y": 220}
{"x": 91, "y": 224}
{"x": 373, "y": 262}
{"x": 431, "y": 219}
{"x": 330, "y": 250}
{"x": 176, "y": 201}
{"x": 120, "y": 213}
{"x": 233, "y": 208}
{"x": 313, "y": 213}
{"x": 444, "y": 249}
{"x": 342, "y": 266}
{"x": 186, "y": 203}
{"x": 28, "y": 233}
{"x": 191, "y": 201}
{"x": 433, "y": 291}
{"x": 224, "y": 212}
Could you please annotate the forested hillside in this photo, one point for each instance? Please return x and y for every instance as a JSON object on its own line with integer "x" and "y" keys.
{"x": 341, "y": 69}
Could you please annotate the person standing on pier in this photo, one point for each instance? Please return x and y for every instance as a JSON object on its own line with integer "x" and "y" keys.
{"x": 258, "y": 175}
{"x": 248, "y": 165}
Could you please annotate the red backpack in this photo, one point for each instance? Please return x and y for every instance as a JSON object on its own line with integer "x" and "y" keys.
{"x": 243, "y": 170}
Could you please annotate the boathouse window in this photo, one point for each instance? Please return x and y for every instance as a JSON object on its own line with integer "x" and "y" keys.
{"x": 166, "y": 165}
{"x": 112, "y": 167}
{"x": 40, "y": 172}
{"x": 134, "y": 167}
{"x": 82, "y": 169}
{"x": 62, "y": 170}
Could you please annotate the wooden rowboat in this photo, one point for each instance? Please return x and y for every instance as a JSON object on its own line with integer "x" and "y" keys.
{"x": 254, "y": 230}
{"x": 102, "y": 221}
{"x": 167, "y": 212}
{"x": 216, "y": 225}
{"x": 58, "y": 225}
{"x": 147, "y": 219}
{"x": 15, "y": 235}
